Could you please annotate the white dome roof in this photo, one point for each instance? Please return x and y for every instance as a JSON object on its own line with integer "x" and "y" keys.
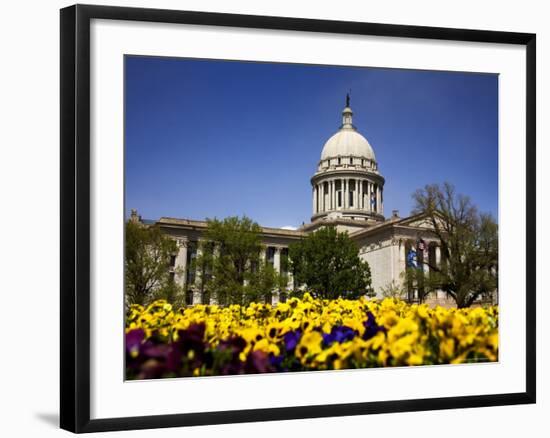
{"x": 347, "y": 142}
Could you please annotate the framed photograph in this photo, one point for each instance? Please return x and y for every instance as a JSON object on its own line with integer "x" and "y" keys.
{"x": 268, "y": 218}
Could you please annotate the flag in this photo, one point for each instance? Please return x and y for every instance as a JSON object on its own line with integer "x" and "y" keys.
{"x": 411, "y": 259}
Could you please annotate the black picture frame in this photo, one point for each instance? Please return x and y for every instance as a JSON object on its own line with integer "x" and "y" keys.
{"x": 75, "y": 217}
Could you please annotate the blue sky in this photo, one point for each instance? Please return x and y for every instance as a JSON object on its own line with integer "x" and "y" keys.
{"x": 208, "y": 138}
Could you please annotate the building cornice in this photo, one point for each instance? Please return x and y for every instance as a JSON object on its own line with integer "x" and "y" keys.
{"x": 198, "y": 225}
{"x": 369, "y": 218}
{"x": 349, "y": 172}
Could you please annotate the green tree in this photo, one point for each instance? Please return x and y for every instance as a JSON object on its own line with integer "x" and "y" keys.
{"x": 393, "y": 290}
{"x": 147, "y": 260}
{"x": 328, "y": 263}
{"x": 264, "y": 280}
{"x": 202, "y": 266}
{"x": 469, "y": 245}
{"x": 229, "y": 264}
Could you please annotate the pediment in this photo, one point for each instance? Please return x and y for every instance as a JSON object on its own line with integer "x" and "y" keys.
{"x": 418, "y": 221}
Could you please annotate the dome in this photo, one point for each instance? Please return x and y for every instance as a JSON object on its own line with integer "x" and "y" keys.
{"x": 347, "y": 142}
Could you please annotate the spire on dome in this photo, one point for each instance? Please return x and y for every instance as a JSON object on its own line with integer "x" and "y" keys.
{"x": 347, "y": 121}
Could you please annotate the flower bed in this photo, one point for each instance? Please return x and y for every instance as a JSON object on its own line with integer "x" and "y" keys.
{"x": 307, "y": 334}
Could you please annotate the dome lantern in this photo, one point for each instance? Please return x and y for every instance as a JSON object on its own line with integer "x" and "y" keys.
{"x": 347, "y": 115}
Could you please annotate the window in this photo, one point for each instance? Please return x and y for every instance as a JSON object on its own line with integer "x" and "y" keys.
{"x": 339, "y": 161}
{"x": 172, "y": 261}
{"x": 188, "y": 297}
{"x": 338, "y": 188}
{"x": 270, "y": 255}
{"x": 172, "y": 277}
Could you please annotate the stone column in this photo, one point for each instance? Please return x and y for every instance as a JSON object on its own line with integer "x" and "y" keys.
{"x": 314, "y": 196}
{"x": 346, "y": 193}
{"x": 360, "y": 194}
{"x": 369, "y": 194}
{"x": 277, "y": 259}
{"x": 197, "y": 296}
{"x": 263, "y": 254}
{"x": 181, "y": 262}
{"x": 331, "y": 191}
{"x": 277, "y": 266}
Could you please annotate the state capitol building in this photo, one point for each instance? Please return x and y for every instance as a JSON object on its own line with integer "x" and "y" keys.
{"x": 348, "y": 193}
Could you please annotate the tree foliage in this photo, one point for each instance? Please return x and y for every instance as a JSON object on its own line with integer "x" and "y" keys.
{"x": 229, "y": 263}
{"x": 393, "y": 290}
{"x": 147, "y": 259}
{"x": 328, "y": 263}
{"x": 469, "y": 245}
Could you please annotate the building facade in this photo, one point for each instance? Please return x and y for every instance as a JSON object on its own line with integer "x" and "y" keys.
{"x": 347, "y": 193}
